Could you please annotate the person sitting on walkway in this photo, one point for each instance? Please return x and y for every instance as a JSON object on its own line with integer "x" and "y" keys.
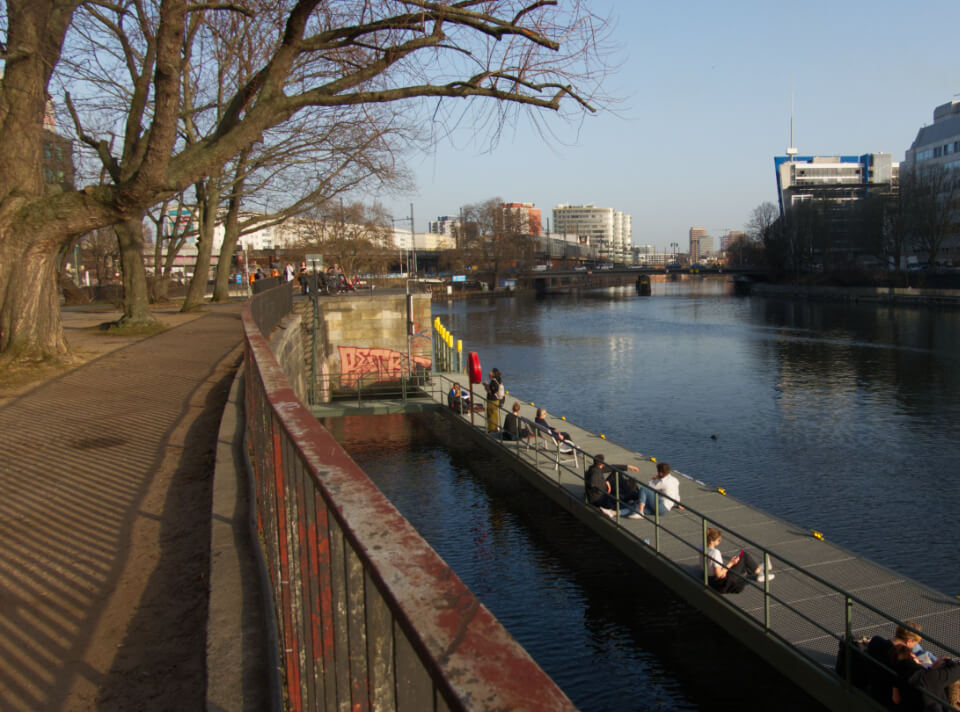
{"x": 456, "y": 400}
{"x": 914, "y": 670}
{"x": 917, "y": 687}
{"x": 541, "y": 420}
{"x": 664, "y": 483}
{"x": 740, "y": 565}
{"x": 513, "y": 427}
{"x": 600, "y": 492}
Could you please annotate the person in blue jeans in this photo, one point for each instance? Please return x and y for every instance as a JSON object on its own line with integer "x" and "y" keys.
{"x": 664, "y": 484}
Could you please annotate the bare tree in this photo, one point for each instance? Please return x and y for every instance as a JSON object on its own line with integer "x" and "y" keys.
{"x": 352, "y": 53}
{"x": 931, "y": 207}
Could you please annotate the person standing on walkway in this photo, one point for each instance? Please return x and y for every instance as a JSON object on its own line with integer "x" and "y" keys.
{"x": 493, "y": 403}
{"x": 501, "y": 390}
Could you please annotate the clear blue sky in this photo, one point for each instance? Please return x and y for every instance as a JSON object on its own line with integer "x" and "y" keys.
{"x": 705, "y": 89}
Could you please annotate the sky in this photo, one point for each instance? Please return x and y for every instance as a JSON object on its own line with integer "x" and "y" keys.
{"x": 704, "y": 94}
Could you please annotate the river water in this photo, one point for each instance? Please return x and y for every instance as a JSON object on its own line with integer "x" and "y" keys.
{"x": 839, "y": 417}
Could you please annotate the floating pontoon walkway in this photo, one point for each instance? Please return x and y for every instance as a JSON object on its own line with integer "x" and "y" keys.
{"x": 821, "y": 591}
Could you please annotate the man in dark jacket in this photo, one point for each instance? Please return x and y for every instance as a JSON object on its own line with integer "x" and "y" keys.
{"x": 920, "y": 689}
{"x": 600, "y": 489}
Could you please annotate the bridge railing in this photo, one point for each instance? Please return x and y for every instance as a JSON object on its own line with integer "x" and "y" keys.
{"x": 368, "y": 616}
{"x": 853, "y": 611}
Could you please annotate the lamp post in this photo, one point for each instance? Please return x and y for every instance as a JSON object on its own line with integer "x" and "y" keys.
{"x": 393, "y": 222}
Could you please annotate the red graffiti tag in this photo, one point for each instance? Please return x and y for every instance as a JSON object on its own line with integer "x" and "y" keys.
{"x": 383, "y": 364}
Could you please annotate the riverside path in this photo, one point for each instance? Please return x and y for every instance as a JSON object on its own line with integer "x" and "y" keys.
{"x": 105, "y": 516}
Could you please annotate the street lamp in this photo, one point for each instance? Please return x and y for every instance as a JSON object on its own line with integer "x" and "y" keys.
{"x": 393, "y": 222}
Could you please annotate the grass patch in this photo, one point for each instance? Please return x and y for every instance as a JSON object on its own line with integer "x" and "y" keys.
{"x": 136, "y": 331}
{"x": 14, "y": 377}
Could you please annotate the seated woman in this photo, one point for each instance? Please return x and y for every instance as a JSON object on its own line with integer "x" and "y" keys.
{"x": 456, "y": 400}
{"x": 541, "y": 420}
{"x": 741, "y": 564}
{"x": 513, "y": 428}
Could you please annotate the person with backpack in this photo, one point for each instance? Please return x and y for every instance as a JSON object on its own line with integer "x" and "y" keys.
{"x": 599, "y": 484}
{"x": 501, "y": 391}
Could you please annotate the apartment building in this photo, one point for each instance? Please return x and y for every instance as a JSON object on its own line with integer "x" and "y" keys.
{"x": 608, "y": 230}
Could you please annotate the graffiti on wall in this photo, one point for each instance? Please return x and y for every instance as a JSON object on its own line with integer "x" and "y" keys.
{"x": 374, "y": 364}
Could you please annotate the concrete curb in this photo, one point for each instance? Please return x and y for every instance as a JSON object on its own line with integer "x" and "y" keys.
{"x": 241, "y": 661}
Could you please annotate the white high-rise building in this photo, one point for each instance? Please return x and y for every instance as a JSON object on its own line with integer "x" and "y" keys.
{"x": 443, "y": 225}
{"x": 607, "y": 229}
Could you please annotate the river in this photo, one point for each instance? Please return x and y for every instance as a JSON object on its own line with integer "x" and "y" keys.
{"x": 839, "y": 417}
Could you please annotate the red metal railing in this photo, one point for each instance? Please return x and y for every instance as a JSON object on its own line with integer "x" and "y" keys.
{"x": 368, "y": 615}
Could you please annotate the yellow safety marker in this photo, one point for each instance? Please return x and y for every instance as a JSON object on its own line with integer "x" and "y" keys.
{"x": 816, "y": 534}
{"x": 459, "y": 346}
{"x": 722, "y": 491}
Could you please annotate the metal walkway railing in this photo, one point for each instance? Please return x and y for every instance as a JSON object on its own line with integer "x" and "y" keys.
{"x": 822, "y": 595}
{"x": 368, "y": 616}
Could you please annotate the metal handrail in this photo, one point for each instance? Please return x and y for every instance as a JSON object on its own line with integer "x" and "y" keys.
{"x": 362, "y": 603}
{"x": 848, "y": 597}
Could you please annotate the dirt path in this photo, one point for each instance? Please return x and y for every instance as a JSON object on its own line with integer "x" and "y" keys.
{"x": 105, "y": 495}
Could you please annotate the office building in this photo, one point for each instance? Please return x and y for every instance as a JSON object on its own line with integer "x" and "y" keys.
{"x": 938, "y": 146}
{"x": 939, "y": 143}
{"x": 836, "y": 179}
{"x": 444, "y": 225}
{"x": 698, "y": 241}
{"x": 608, "y": 230}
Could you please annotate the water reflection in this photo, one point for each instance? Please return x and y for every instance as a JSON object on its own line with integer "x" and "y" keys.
{"x": 832, "y": 415}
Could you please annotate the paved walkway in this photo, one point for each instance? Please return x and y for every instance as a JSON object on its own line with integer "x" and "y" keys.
{"x": 105, "y": 520}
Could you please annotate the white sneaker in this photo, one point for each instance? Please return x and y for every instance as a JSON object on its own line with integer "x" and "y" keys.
{"x": 609, "y": 512}
{"x": 634, "y": 515}
{"x": 769, "y": 577}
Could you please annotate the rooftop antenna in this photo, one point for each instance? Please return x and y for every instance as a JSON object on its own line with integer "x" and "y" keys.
{"x": 791, "y": 149}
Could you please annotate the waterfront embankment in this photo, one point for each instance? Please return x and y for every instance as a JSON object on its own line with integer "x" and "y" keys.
{"x": 900, "y": 296}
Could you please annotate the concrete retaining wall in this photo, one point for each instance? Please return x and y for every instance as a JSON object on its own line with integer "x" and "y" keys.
{"x": 884, "y": 295}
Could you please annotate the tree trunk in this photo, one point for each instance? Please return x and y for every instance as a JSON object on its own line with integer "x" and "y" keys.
{"x": 221, "y": 287}
{"x": 136, "y": 301}
{"x": 231, "y": 230}
{"x": 31, "y": 328}
{"x": 208, "y": 198}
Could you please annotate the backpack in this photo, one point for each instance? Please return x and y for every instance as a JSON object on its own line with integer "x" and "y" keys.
{"x": 860, "y": 661}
